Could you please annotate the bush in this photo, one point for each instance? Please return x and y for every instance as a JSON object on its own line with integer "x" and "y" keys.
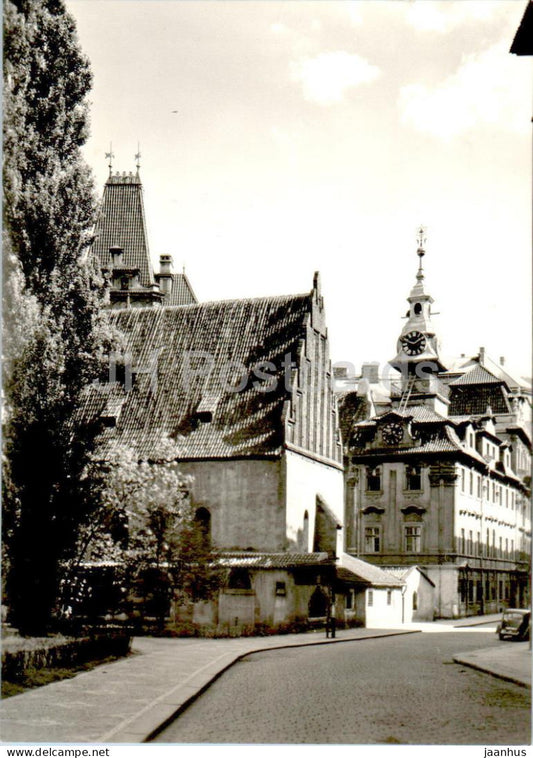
{"x": 22, "y": 655}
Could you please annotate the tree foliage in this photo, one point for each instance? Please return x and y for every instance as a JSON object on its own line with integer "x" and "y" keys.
{"x": 143, "y": 524}
{"x": 55, "y": 330}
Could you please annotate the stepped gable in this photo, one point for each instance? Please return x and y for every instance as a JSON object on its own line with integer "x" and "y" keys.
{"x": 202, "y": 415}
{"x": 121, "y": 223}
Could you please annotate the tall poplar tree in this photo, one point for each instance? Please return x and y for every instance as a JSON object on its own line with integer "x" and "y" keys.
{"x": 54, "y": 327}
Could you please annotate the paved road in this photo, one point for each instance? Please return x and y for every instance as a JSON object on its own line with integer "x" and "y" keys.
{"x": 401, "y": 690}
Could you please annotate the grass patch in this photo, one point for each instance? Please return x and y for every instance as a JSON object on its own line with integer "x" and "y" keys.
{"x": 39, "y": 677}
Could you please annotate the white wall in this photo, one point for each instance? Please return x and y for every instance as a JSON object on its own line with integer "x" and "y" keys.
{"x": 305, "y": 480}
{"x": 380, "y": 614}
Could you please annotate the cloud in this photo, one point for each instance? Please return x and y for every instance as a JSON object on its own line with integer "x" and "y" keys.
{"x": 489, "y": 88}
{"x": 445, "y": 16}
{"x": 326, "y": 77}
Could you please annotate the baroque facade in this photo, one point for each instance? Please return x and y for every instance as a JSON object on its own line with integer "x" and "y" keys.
{"x": 437, "y": 467}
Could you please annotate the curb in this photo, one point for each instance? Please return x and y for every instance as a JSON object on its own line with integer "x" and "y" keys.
{"x": 491, "y": 672}
{"x": 186, "y": 703}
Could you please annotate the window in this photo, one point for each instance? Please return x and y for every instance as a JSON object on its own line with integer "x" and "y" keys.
{"x": 372, "y": 539}
{"x": 500, "y": 553}
{"x": 487, "y": 544}
{"x": 415, "y": 601}
{"x": 471, "y": 483}
{"x": 462, "y": 480}
{"x": 239, "y": 579}
{"x": 370, "y": 597}
{"x": 479, "y": 545}
{"x": 124, "y": 283}
{"x": 281, "y": 589}
{"x": 373, "y": 479}
{"x": 349, "y": 600}
{"x": 202, "y": 527}
{"x": 413, "y": 477}
{"x": 412, "y": 539}
{"x": 389, "y": 597}
{"x": 506, "y": 547}
{"x": 470, "y": 542}
{"x": 478, "y": 486}
{"x": 512, "y": 549}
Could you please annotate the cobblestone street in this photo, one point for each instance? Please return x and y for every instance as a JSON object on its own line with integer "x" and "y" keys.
{"x": 401, "y": 690}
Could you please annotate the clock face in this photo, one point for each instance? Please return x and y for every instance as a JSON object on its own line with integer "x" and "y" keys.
{"x": 392, "y": 433}
{"x": 413, "y": 343}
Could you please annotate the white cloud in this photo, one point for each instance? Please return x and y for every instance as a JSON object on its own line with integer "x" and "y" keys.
{"x": 326, "y": 77}
{"x": 490, "y": 88}
{"x": 446, "y": 15}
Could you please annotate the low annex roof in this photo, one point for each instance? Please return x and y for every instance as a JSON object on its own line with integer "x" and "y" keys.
{"x": 183, "y": 360}
{"x": 244, "y": 559}
{"x": 354, "y": 569}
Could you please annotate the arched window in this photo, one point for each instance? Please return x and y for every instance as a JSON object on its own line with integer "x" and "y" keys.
{"x": 305, "y": 535}
{"x": 202, "y": 524}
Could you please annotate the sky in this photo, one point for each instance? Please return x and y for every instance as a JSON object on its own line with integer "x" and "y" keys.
{"x": 282, "y": 138}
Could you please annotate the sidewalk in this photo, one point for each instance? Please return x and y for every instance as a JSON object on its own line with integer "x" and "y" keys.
{"x": 127, "y": 700}
{"x": 511, "y": 661}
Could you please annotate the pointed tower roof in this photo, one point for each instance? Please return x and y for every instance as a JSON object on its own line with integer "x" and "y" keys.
{"x": 121, "y": 224}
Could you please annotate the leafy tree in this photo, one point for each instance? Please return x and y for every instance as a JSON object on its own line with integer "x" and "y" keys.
{"x": 54, "y": 328}
{"x": 144, "y": 524}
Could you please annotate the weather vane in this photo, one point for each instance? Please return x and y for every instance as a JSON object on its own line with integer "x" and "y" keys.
{"x": 138, "y": 157}
{"x": 421, "y": 239}
{"x": 110, "y": 155}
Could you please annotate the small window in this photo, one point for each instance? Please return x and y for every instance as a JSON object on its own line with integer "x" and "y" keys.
{"x": 412, "y": 539}
{"x": 349, "y": 600}
{"x": 124, "y": 283}
{"x": 471, "y": 483}
{"x": 372, "y": 539}
{"x": 281, "y": 589}
{"x": 415, "y": 601}
{"x": 418, "y": 309}
{"x": 370, "y": 597}
{"x": 373, "y": 479}
{"x": 389, "y": 597}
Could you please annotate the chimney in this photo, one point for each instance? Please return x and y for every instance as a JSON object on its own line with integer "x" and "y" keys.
{"x": 481, "y": 355}
{"x": 165, "y": 273}
{"x": 116, "y": 255}
{"x": 502, "y": 360}
{"x": 370, "y": 371}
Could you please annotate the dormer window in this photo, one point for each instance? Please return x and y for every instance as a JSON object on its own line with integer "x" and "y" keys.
{"x": 204, "y": 417}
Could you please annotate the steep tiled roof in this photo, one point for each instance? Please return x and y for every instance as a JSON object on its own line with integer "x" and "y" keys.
{"x": 366, "y": 572}
{"x": 167, "y": 396}
{"x": 272, "y": 560}
{"x": 473, "y": 399}
{"x": 121, "y": 223}
{"x": 181, "y": 292}
{"x": 476, "y": 375}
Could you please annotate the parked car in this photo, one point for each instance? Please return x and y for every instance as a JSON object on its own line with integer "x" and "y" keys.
{"x": 515, "y": 624}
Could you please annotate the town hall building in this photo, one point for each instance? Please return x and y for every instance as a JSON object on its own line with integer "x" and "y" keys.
{"x": 437, "y": 468}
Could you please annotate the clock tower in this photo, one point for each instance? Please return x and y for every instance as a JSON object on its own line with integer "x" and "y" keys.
{"x": 417, "y": 357}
